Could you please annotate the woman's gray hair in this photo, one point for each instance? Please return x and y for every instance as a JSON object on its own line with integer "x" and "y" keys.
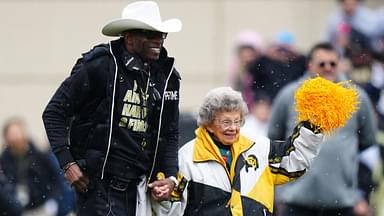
{"x": 222, "y": 99}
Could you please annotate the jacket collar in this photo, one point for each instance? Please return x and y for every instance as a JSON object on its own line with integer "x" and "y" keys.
{"x": 205, "y": 149}
{"x": 131, "y": 61}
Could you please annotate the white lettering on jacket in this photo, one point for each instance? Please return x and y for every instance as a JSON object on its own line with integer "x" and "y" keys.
{"x": 171, "y": 95}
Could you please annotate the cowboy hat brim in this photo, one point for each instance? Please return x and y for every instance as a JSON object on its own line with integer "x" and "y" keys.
{"x": 116, "y": 27}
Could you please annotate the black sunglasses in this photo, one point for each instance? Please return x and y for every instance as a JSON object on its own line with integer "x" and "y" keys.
{"x": 331, "y": 63}
{"x": 150, "y": 34}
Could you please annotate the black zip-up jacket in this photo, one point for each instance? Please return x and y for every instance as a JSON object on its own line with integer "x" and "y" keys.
{"x": 78, "y": 118}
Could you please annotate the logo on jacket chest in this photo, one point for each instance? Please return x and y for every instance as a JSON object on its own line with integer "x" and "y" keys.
{"x": 171, "y": 95}
{"x": 251, "y": 162}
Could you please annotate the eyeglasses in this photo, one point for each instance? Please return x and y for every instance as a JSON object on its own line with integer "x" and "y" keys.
{"x": 322, "y": 64}
{"x": 150, "y": 34}
{"x": 226, "y": 123}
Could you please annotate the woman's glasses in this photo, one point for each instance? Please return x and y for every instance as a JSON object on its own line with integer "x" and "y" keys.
{"x": 226, "y": 124}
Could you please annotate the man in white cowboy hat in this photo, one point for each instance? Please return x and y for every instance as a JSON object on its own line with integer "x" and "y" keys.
{"x": 113, "y": 123}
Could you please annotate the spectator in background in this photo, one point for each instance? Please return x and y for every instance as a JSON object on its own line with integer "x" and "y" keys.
{"x": 359, "y": 62}
{"x": 361, "y": 19}
{"x": 352, "y": 29}
{"x": 281, "y": 64}
{"x": 256, "y": 122}
{"x": 66, "y": 198}
{"x": 249, "y": 47}
{"x": 378, "y": 42}
{"x": 330, "y": 186}
{"x": 32, "y": 174}
{"x": 9, "y": 206}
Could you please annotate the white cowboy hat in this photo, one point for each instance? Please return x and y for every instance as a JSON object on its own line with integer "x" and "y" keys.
{"x": 141, "y": 15}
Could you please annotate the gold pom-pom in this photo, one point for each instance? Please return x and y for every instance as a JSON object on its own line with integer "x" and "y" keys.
{"x": 326, "y": 104}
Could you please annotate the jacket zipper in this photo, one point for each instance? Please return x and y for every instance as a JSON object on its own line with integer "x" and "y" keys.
{"x": 228, "y": 171}
{"x": 112, "y": 108}
{"x": 158, "y": 129}
{"x": 234, "y": 179}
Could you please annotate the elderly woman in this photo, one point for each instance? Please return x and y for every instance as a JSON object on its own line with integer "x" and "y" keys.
{"x": 225, "y": 173}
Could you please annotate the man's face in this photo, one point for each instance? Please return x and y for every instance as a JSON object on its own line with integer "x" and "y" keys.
{"x": 324, "y": 64}
{"x": 16, "y": 138}
{"x": 349, "y": 6}
{"x": 146, "y": 44}
{"x": 247, "y": 54}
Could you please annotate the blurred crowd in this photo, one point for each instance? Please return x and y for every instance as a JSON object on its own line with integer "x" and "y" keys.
{"x": 33, "y": 184}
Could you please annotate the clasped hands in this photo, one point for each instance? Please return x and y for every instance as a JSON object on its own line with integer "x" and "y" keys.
{"x": 160, "y": 189}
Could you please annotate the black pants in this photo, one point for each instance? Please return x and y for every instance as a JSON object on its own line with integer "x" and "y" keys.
{"x": 297, "y": 210}
{"x": 107, "y": 198}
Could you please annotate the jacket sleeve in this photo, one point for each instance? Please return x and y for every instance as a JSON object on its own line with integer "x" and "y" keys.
{"x": 171, "y": 133}
{"x": 290, "y": 159}
{"x": 64, "y": 104}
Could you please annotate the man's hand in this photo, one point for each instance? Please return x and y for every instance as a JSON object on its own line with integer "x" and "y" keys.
{"x": 76, "y": 178}
{"x": 162, "y": 189}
